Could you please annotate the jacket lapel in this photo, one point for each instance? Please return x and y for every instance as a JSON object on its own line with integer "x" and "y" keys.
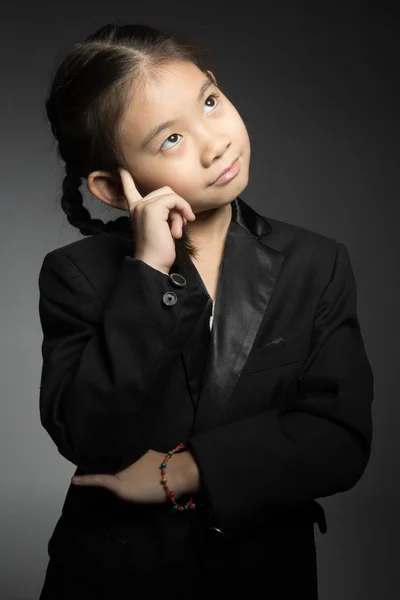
{"x": 249, "y": 270}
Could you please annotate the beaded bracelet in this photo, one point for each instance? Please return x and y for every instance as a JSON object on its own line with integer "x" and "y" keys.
{"x": 170, "y": 494}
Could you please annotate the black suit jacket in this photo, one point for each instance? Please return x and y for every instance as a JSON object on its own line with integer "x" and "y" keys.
{"x": 274, "y": 403}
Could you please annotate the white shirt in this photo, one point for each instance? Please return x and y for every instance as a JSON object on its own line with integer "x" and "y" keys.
{"x": 212, "y": 314}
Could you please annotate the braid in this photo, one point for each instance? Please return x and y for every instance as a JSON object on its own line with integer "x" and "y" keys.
{"x": 79, "y": 216}
{"x": 72, "y": 204}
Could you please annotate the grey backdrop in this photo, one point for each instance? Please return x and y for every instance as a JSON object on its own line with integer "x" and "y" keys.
{"x": 316, "y": 91}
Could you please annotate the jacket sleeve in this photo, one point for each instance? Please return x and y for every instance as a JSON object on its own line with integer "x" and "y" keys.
{"x": 321, "y": 445}
{"x": 101, "y": 356}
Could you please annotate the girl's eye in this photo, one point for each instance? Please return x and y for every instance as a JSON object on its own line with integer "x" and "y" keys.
{"x": 177, "y": 134}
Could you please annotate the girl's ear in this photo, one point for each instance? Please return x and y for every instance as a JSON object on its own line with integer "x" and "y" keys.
{"x": 104, "y": 187}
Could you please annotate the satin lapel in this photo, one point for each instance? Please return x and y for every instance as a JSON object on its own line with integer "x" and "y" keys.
{"x": 249, "y": 271}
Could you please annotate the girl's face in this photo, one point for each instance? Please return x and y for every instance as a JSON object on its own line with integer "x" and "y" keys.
{"x": 188, "y": 155}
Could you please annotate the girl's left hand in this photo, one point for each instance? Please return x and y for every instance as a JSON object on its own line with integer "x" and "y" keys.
{"x": 141, "y": 481}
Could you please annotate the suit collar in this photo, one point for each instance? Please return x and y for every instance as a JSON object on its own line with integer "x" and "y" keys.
{"x": 245, "y": 216}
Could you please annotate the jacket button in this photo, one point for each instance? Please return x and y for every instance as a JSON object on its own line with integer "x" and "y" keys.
{"x": 170, "y": 298}
{"x": 177, "y": 279}
{"x": 215, "y": 537}
{"x": 218, "y": 532}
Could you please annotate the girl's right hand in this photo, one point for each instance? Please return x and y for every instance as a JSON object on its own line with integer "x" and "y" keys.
{"x": 156, "y": 220}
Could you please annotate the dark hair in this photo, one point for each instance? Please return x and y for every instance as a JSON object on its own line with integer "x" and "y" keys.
{"x": 87, "y": 100}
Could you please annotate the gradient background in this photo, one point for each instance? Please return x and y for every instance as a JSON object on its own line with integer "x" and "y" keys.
{"x": 316, "y": 89}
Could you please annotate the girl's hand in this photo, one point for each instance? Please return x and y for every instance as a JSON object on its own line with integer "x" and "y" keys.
{"x": 156, "y": 220}
{"x": 141, "y": 481}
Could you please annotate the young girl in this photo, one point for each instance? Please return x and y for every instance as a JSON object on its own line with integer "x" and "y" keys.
{"x": 203, "y": 366}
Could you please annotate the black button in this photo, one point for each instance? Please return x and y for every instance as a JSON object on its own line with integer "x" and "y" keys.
{"x": 215, "y": 537}
{"x": 177, "y": 279}
{"x": 170, "y": 298}
{"x": 216, "y": 531}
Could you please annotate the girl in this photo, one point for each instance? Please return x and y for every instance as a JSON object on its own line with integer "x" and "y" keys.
{"x": 203, "y": 366}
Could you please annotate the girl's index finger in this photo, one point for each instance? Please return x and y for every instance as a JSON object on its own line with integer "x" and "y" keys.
{"x": 128, "y": 184}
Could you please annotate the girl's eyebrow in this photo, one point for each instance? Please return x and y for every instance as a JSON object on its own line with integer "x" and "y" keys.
{"x": 156, "y": 130}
